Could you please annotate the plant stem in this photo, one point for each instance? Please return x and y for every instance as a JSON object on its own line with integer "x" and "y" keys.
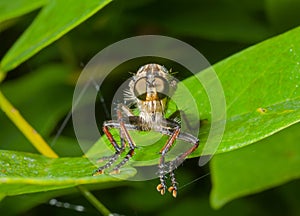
{"x": 94, "y": 201}
{"x": 30, "y": 133}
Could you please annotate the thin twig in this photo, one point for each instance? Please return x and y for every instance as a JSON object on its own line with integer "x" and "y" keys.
{"x": 94, "y": 201}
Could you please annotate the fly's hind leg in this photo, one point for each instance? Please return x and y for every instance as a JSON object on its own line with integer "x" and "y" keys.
{"x": 179, "y": 159}
{"x": 173, "y": 189}
{"x": 190, "y": 139}
{"x": 162, "y": 166}
{"x": 172, "y": 165}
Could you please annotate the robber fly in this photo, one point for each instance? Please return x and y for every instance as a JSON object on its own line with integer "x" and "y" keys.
{"x": 149, "y": 90}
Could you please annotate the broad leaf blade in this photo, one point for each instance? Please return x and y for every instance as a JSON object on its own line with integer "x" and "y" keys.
{"x": 27, "y": 173}
{"x": 55, "y": 19}
{"x": 262, "y": 91}
{"x": 265, "y": 164}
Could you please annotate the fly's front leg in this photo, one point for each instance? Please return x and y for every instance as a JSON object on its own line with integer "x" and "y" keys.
{"x": 123, "y": 135}
{"x": 124, "y": 131}
{"x": 162, "y": 166}
{"x": 111, "y": 159}
{"x": 118, "y": 151}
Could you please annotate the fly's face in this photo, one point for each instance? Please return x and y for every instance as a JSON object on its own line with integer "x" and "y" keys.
{"x": 152, "y": 86}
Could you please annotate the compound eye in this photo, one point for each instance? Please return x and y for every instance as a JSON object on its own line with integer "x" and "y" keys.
{"x": 160, "y": 84}
{"x": 162, "y": 87}
{"x": 140, "y": 90}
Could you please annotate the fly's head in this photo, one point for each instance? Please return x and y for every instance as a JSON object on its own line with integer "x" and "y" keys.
{"x": 151, "y": 88}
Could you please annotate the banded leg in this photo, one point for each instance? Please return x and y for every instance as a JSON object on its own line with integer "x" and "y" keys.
{"x": 124, "y": 131}
{"x": 173, "y": 189}
{"x": 173, "y": 165}
{"x": 111, "y": 159}
{"x": 178, "y": 160}
{"x": 161, "y": 167}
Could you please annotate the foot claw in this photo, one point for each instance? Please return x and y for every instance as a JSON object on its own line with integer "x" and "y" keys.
{"x": 161, "y": 188}
{"x": 173, "y": 190}
{"x": 98, "y": 172}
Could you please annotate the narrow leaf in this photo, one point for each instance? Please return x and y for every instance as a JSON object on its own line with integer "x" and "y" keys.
{"x": 55, "y": 20}
{"x": 9, "y": 10}
{"x": 27, "y": 173}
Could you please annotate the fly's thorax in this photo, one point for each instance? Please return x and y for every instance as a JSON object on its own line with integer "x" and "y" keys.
{"x": 151, "y": 121}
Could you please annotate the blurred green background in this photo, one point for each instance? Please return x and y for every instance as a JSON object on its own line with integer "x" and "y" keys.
{"x": 42, "y": 89}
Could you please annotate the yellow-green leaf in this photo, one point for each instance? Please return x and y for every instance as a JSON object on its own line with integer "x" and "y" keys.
{"x": 27, "y": 173}
{"x": 55, "y": 19}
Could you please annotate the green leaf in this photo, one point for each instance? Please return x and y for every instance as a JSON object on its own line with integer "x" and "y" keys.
{"x": 55, "y": 19}
{"x": 27, "y": 173}
{"x": 263, "y": 165}
{"x": 17, "y": 8}
{"x": 262, "y": 91}
{"x": 62, "y": 145}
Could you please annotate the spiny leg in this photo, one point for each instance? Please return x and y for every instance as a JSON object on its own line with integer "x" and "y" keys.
{"x": 161, "y": 167}
{"x": 111, "y": 159}
{"x": 116, "y": 124}
{"x": 117, "y": 153}
{"x": 183, "y": 156}
{"x": 130, "y": 142}
{"x": 173, "y": 189}
{"x": 116, "y": 169}
{"x": 173, "y": 164}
